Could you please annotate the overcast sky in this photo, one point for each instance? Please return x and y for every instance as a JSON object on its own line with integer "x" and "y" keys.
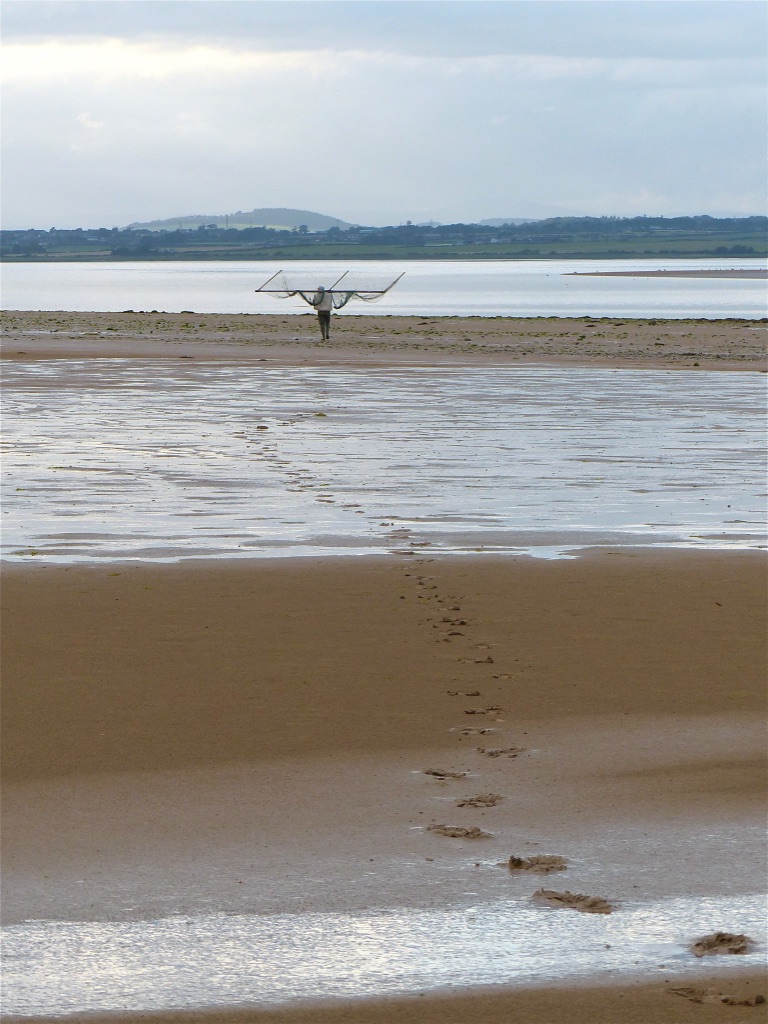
{"x": 381, "y": 112}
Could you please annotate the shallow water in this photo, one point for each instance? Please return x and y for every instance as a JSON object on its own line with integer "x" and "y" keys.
{"x": 429, "y": 287}
{"x": 124, "y": 458}
{"x": 68, "y": 967}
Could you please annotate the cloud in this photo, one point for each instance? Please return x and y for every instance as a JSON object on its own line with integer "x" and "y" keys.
{"x": 87, "y": 121}
{"x": 111, "y": 129}
{"x": 114, "y": 58}
{"x": 109, "y": 59}
{"x": 622, "y": 28}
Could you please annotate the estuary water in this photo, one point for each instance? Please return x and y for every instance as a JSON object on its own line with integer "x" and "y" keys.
{"x": 429, "y": 288}
{"x": 129, "y": 458}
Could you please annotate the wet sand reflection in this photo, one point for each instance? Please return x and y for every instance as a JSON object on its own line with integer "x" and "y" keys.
{"x": 126, "y": 458}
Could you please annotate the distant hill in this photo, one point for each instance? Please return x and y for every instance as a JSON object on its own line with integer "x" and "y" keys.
{"x": 269, "y": 217}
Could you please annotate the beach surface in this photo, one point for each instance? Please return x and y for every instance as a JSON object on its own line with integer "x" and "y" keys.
{"x": 258, "y": 738}
{"x": 617, "y": 1004}
{"x": 298, "y": 737}
{"x": 389, "y": 340}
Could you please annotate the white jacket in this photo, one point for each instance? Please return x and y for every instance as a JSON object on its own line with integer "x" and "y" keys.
{"x": 323, "y": 300}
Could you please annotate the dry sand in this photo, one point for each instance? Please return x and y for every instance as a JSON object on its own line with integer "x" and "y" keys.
{"x": 159, "y": 716}
{"x": 390, "y": 340}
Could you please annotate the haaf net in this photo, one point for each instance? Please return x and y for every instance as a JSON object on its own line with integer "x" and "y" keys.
{"x": 350, "y": 285}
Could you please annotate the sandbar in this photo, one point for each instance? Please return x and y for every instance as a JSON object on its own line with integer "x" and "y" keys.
{"x": 389, "y": 340}
{"x": 744, "y": 274}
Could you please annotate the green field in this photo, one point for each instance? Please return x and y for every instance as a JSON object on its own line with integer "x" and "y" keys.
{"x": 559, "y": 238}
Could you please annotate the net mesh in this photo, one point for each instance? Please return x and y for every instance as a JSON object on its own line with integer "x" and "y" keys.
{"x": 343, "y": 288}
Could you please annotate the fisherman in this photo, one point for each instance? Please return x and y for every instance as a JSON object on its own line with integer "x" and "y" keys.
{"x": 323, "y": 303}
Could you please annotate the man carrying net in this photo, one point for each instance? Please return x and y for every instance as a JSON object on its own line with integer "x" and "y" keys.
{"x": 325, "y": 299}
{"x": 323, "y": 303}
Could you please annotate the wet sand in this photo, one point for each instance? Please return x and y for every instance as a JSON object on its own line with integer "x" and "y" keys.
{"x": 99, "y": 661}
{"x": 221, "y": 735}
{"x": 390, "y": 340}
{"x": 617, "y": 1004}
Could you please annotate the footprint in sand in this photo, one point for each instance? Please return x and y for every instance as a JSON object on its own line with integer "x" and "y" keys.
{"x": 463, "y": 693}
{"x": 481, "y": 800}
{"x": 439, "y": 773}
{"x": 459, "y": 832}
{"x": 573, "y": 901}
{"x": 501, "y": 751}
{"x": 482, "y": 711}
{"x": 711, "y": 995}
{"x": 540, "y": 864}
{"x": 721, "y": 942}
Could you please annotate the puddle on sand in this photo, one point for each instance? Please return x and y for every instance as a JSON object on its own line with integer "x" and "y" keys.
{"x": 75, "y": 967}
{"x": 120, "y": 458}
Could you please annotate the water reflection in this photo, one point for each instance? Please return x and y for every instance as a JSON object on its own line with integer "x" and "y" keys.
{"x": 135, "y": 459}
{"x": 69, "y": 967}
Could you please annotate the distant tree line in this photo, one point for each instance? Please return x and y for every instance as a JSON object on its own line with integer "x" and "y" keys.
{"x": 724, "y": 235}
{"x": 561, "y": 229}
{"x": 131, "y": 241}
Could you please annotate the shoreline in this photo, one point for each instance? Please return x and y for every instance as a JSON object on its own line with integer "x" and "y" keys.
{"x": 371, "y": 341}
{"x": 431, "y": 254}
